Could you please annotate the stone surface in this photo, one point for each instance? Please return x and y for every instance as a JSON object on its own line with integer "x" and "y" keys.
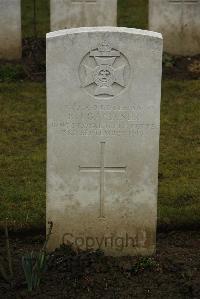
{"x": 82, "y": 13}
{"x": 179, "y": 22}
{"x": 103, "y": 99}
{"x": 10, "y": 29}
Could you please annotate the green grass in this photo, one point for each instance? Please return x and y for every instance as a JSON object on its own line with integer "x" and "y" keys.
{"x": 11, "y": 72}
{"x": 179, "y": 184}
{"x": 23, "y": 151}
{"x": 42, "y": 18}
{"x": 22, "y": 158}
{"x": 133, "y": 13}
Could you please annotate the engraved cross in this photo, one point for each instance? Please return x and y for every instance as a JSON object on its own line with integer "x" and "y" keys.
{"x": 102, "y": 169}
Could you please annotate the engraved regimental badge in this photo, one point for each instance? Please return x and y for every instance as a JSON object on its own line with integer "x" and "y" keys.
{"x": 104, "y": 72}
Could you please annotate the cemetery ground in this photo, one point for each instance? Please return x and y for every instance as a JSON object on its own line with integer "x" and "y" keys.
{"x": 174, "y": 271}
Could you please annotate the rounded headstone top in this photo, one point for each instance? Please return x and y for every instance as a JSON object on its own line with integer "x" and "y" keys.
{"x": 135, "y": 31}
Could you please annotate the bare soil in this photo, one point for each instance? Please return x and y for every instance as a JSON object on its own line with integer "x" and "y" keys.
{"x": 173, "y": 272}
{"x": 182, "y": 68}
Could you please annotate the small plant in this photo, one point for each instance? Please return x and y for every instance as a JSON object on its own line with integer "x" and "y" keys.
{"x": 6, "y": 269}
{"x": 11, "y": 72}
{"x": 35, "y": 264}
{"x": 168, "y": 60}
{"x": 145, "y": 263}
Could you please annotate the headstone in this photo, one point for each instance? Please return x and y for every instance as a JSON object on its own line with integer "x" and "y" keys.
{"x": 82, "y": 13}
{"x": 10, "y": 29}
{"x": 179, "y": 22}
{"x": 103, "y": 98}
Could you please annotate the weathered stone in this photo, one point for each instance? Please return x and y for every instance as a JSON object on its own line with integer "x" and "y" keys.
{"x": 179, "y": 22}
{"x": 82, "y": 13}
{"x": 10, "y": 29}
{"x": 103, "y": 98}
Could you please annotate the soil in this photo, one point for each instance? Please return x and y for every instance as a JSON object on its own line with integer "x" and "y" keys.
{"x": 182, "y": 68}
{"x": 173, "y": 272}
{"x": 34, "y": 58}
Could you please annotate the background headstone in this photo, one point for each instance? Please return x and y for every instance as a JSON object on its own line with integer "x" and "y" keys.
{"x": 82, "y": 13}
{"x": 179, "y": 22}
{"x": 103, "y": 98}
{"x": 10, "y": 29}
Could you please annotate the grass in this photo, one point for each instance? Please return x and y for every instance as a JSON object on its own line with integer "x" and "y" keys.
{"x": 133, "y": 13}
{"x": 42, "y": 18}
{"x": 179, "y": 190}
{"x": 22, "y": 158}
{"x": 23, "y": 153}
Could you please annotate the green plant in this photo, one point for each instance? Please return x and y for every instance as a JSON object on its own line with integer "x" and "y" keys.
{"x": 35, "y": 264}
{"x": 145, "y": 263}
{"x": 6, "y": 269}
{"x": 11, "y": 72}
{"x": 168, "y": 60}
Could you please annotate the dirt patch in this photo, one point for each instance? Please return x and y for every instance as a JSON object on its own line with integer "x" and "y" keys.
{"x": 174, "y": 272}
{"x": 183, "y": 68}
{"x": 34, "y": 58}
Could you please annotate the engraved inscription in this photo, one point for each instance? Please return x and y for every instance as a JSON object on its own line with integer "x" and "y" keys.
{"x": 104, "y": 72}
{"x": 105, "y": 120}
{"x": 102, "y": 169}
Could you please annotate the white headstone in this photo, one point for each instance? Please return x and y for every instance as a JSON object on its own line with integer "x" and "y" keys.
{"x": 103, "y": 98}
{"x": 179, "y": 22}
{"x": 10, "y": 29}
{"x": 83, "y": 13}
